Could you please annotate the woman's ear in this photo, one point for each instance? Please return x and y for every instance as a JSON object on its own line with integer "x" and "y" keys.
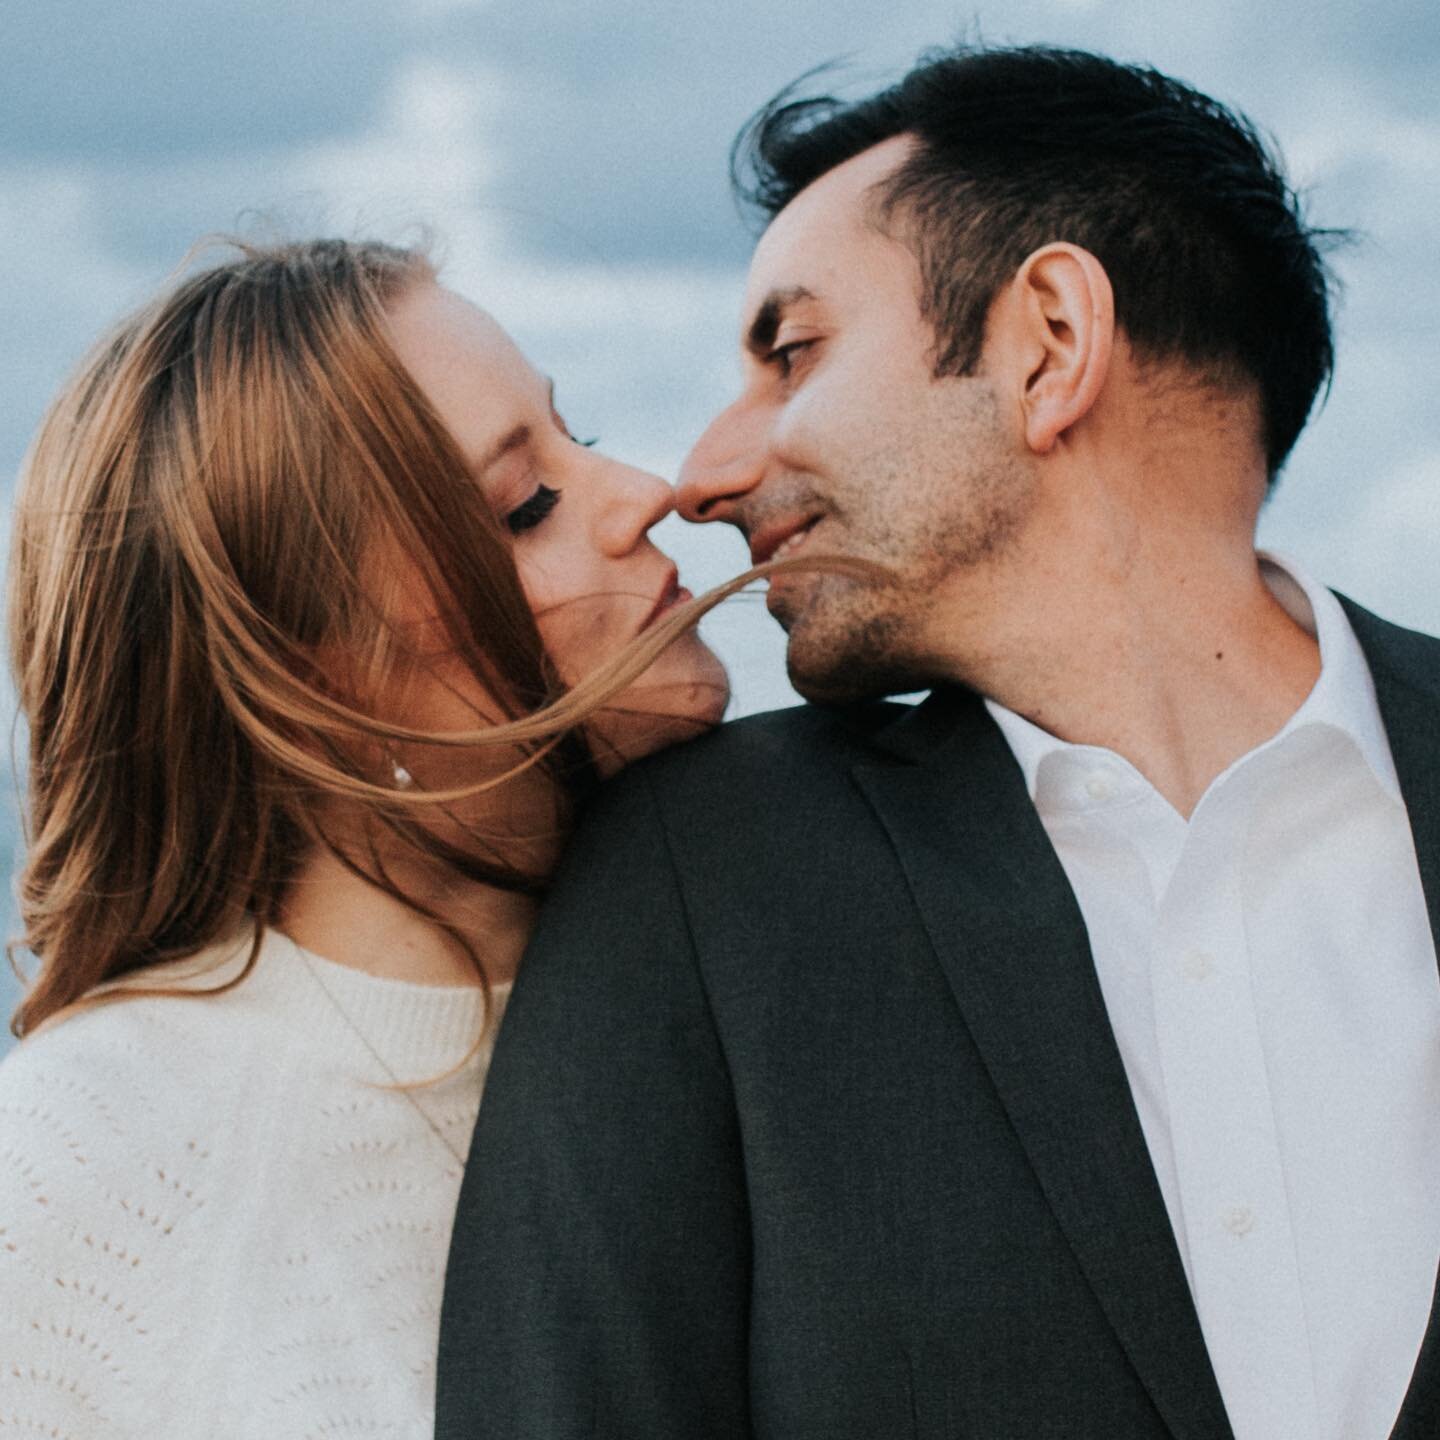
{"x": 1060, "y": 324}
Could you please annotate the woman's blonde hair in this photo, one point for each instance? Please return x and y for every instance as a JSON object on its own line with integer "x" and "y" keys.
{"x": 193, "y": 527}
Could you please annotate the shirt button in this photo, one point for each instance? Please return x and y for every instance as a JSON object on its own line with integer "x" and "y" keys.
{"x": 1239, "y": 1220}
{"x": 1197, "y": 965}
{"x": 1099, "y": 786}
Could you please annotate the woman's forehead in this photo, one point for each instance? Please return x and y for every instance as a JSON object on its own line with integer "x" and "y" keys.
{"x": 443, "y": 339}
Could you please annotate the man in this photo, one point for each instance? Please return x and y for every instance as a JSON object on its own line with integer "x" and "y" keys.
{"x": 1061, "y": 1057}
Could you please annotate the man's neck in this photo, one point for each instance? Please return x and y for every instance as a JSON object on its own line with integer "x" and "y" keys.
{"x": 1181, "y": 660}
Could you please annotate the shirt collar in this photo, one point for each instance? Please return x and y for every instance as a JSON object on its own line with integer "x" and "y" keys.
{"x": 1344, "y": 695}
{"x": 1343, "y": 698}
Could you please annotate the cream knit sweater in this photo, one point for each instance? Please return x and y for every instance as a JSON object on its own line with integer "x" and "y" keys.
{"x": 215, "y": 1223}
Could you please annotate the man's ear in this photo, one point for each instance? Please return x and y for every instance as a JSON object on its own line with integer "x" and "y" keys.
{"x": 1060, "y": 315}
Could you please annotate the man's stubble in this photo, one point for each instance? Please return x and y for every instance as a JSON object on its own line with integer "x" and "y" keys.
{"x": 936, "y": 505}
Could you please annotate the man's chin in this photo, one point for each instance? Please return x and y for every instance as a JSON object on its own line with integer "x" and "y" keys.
{"x": 838, "y": 664}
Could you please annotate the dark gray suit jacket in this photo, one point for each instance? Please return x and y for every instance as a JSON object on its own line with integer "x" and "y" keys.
{"x": 807, "y": 1121}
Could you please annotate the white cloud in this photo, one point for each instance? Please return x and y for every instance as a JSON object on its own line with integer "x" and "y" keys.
{"x": 1385, "y": 556}
{"x": 60, "y": 287}
{"x": 445, "y": 8}
{"x": 1355, "y": 129}
{"x": 429, "y": 157}
{"x": 47, "y": 227}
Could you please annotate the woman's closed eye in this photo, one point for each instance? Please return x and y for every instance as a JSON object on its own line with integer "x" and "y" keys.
{"x": 529, "y": 513}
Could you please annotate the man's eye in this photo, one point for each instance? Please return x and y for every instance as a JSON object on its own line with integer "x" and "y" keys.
{"x": 528, "y": 514}
{"x": 781, "y": 357}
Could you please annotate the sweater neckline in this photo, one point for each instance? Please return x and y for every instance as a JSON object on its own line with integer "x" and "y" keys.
{"x": 416, "y": 1031}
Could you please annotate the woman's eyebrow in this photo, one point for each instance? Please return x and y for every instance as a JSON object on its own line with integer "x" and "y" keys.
{"x": 511, "y": 440}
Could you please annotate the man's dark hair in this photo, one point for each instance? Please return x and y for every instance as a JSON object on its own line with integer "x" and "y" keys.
{"x": 1177, "y": 196}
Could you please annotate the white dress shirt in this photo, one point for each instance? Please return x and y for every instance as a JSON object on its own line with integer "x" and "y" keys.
{"x": 1271, "y": 979}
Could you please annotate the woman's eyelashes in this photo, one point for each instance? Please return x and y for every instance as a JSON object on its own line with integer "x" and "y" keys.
{"x": 564, "y": 429}
{"x": 529, "y": 513}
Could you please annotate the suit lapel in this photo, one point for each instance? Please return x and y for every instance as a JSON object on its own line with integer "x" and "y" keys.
{"x": 1406, "y": 670}
{"x": 1005, "y": 925}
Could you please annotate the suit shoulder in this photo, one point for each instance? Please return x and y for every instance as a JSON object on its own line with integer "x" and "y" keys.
{"x": 707, "y": 795}
{"x": 1411, "y": 655}
{"x": 776, "y": 741}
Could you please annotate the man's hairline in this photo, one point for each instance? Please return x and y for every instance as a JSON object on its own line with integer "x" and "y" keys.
{"x": 879, "y": 206}
{"x": 883, "y": 213}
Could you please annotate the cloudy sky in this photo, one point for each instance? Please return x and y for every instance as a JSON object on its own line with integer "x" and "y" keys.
{"x": 570, "y": 154}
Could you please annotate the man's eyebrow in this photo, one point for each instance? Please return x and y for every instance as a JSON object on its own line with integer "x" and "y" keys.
{"x": 761, "y": 334}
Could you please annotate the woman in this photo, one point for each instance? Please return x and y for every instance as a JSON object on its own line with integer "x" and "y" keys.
{"x": 321, "y": 621}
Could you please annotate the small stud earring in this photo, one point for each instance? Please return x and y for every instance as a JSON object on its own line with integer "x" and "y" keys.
{"x": 403, "y": 778}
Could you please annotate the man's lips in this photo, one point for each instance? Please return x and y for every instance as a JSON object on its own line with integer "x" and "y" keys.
{"x": 770, "y": 538}
{"x": 671, "y": 593}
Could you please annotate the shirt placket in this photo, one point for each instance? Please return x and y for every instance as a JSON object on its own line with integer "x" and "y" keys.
{"x": 1244, "y": 1272}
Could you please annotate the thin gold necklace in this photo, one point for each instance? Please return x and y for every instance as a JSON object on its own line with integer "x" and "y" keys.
{"x": 360, "y": 1035}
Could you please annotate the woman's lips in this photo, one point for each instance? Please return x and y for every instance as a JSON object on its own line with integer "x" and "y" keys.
{"x": 672, "y": 594}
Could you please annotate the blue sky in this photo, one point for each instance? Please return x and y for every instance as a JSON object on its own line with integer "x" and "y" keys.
{"x": 571, "y": 156}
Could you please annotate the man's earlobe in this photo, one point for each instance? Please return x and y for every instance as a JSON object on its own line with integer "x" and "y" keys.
{"x": 1066, "y": 309}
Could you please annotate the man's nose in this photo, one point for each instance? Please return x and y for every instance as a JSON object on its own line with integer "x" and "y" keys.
{"x": 726, "y": 464}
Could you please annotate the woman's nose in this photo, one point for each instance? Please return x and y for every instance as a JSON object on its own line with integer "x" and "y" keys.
{"x": 725, "y": 464}
{"x": 634, "y": 501}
